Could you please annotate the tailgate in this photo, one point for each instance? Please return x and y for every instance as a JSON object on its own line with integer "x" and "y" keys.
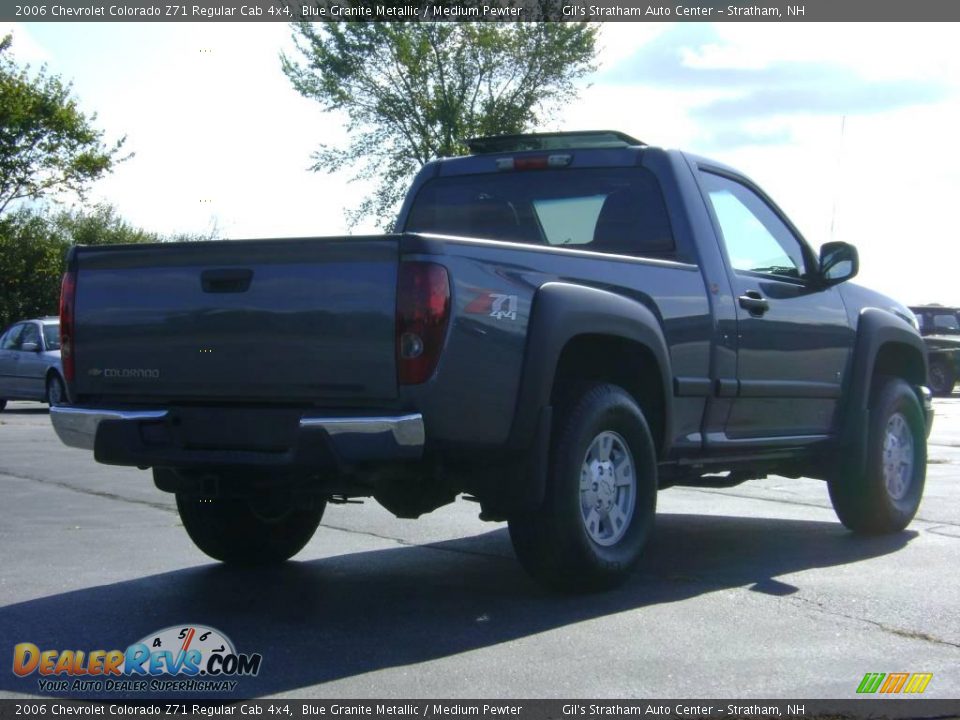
{"x": 266, "y": 320}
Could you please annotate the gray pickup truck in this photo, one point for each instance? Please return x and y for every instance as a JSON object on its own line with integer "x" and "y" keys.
{"x": 561, "y": 325}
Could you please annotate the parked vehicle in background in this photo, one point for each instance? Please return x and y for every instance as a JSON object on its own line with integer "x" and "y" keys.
{"x": 562, "y": 325}
{"x": 940, "y": 328}
{"x": 30, "y": 362}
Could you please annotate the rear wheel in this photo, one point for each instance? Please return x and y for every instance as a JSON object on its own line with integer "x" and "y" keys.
{"x": 942, "y": 377}
{"x": 601, "y": 495}
{"x": 885, "y": 497}
{"x": 3, "y": 404}
{"x": 262, "y": 530}
{"x": 56, "y": 395}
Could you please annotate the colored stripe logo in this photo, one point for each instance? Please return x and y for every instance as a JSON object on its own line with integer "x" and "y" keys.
{"x": 892, "y": 683}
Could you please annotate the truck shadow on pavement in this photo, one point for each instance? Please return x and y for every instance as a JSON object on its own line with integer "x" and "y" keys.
{"x": 338, "y": 617}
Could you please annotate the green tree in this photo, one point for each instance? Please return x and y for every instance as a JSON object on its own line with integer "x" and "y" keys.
{"x": 33, "y": 250}
{"x": 101, "y": 225}
{"x": 31, "y": 263}
{"x": 415, "y": 91}
{"x": 47, "y": 145}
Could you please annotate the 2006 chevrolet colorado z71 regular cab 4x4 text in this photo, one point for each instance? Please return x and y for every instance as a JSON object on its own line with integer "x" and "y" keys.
{"x": 561, "y": 325}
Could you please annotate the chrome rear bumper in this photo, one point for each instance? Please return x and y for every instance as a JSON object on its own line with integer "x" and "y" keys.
{"x": 77, "y": 427}
{"x": 353, "y": 439}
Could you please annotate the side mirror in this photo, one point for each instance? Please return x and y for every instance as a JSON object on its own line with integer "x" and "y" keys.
{"x": 30, "y": 347}
{"x": 839, "y": 261}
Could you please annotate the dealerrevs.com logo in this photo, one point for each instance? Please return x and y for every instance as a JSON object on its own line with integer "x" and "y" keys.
{"x": 181, "y": 658}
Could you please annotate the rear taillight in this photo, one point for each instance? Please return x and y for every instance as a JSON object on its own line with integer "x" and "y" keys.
{"x": 423, "y": 310}
{"x": 68, "y": 294}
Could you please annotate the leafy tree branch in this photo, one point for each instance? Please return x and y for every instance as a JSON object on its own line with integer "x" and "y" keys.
{"x": 415, "y": 91}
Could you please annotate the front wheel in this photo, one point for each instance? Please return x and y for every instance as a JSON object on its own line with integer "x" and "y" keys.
{"x": 942, "y": 377}
{"x": 3, "y": 404}
{"x": 885, "y": 497}
{"x": 601, "y": 495}
{"x": 256, "y": 531}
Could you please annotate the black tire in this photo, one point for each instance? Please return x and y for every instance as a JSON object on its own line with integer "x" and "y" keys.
{"x": 56, "y": 393}
{"x": 942, "y": 377}
{"x": 884, "y": 499}
{"x": 554, "y": 543}
{"x": 258, "y": 531}
{"x": 3, "y": 404}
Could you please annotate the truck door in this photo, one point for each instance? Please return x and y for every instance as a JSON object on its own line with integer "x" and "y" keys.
{"x": 794, "y": 339}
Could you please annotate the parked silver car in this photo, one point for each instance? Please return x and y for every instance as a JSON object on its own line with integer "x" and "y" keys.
{"x": 30, "y": 362}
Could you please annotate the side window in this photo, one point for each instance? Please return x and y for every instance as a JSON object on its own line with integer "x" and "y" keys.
{"x": 756, "y": 239}
{"x": 51, "y": 337}
{"x": 11, "y": 341}
{"x": 31, "y": 334}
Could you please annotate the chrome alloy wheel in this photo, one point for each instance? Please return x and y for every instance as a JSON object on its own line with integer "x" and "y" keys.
{"x": 608, "y": 488}
{"x": 898, "y": 456}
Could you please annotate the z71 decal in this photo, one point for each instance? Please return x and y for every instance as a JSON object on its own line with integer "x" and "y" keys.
{"x": 496, "y": 305}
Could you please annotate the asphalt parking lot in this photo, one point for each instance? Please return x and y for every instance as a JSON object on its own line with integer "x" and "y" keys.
{"x": 754, "y": 592}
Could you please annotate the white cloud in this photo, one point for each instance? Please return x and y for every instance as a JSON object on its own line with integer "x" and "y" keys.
{"x": 889, "y": 187}
{"x": 876, "y": 50}
{"x": 219, "y": 136}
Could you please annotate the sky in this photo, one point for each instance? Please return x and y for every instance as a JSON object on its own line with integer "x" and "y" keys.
{"x": 850, "y": 127}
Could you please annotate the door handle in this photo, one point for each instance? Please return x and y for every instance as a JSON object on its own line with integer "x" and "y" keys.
{"x": 227, "y": 280}
{"x": 754, "y": 303}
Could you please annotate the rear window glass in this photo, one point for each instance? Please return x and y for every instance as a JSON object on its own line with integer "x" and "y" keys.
{"x": 937, "y": 321}
{"x": 614, "y": 210}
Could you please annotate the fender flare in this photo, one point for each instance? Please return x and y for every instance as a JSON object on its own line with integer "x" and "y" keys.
{"x": 561, "y": 312}
{"x": 875, "y": 329}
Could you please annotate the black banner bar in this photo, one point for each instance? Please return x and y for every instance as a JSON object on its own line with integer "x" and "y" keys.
{"x": 479, "y": 10}
{"x": 875, "y": 708}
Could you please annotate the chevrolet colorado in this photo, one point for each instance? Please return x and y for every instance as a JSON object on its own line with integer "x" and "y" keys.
{"x": 561, "y": 325}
